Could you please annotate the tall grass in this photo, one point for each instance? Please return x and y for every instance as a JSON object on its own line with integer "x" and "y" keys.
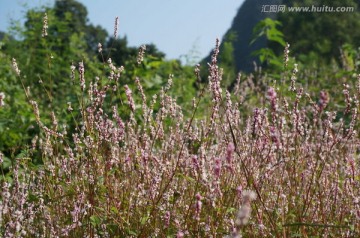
{"x": 290, "y": 169}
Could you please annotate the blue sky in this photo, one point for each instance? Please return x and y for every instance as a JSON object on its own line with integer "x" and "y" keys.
{"x": 176, "y": 27}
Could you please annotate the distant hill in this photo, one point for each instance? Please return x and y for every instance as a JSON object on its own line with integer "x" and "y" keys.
{"x": 317, "y": 34}
{"x": 248, "y": 15}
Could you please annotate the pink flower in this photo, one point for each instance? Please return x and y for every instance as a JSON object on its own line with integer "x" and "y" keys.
{"x": 2, "y": 96}
{"x": 229, "y": 152}
{"x": 82, "y": 75}
{"x": 324, "y": 100}
{"x": 45, "y": 25}
{"x": 217, "y": 167}
{"x": 167, "y": 218}
{"x": 180, "y": 234}
{"x": 116, "y": 26}
{"x": 271, "y": 93}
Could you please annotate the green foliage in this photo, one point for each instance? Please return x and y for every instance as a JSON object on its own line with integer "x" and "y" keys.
{"x": 155, "y": 72}
{"x": 268, "y": 28}
{"x": 45, "y": 68}
{"x": 16, "y": 117}
{"x": 74, "y": 17}
{"x": 118, "y": 50}
{"x": 227, "y": 59}
{"x": 320, "y": 33}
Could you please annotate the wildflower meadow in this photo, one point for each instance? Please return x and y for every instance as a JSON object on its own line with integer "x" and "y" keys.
{"x": 269, "y": 156}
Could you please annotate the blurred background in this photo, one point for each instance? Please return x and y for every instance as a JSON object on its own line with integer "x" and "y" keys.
{"x": 178, "y": 35}
{"x": 177, "y": 28}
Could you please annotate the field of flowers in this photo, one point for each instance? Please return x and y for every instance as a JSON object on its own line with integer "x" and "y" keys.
{"x": 286, "y": 165}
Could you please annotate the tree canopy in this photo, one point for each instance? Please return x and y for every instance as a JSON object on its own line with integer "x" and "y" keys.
{"x": 320, "y": 33}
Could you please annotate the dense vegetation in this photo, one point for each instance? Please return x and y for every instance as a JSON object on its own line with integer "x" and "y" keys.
{"x": 99, "y": 139}
{"x": 314, "y": 36}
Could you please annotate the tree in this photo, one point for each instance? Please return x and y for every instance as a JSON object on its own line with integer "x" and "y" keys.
{"x": 152, "y": 50}
{"x": 45, "y": 68}
{"x": 320, "y": 34}
{"x": 75, "y": 17}
{"x": 117, "y": 49}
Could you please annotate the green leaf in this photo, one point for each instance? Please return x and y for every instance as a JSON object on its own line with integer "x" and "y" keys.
{"x": 95, "y": 220}
{"x": 114, "y": 210}
{"x": 133, "y": 233}
{"x": 6, "y": 163}
{"x": 187, "y": 178}
{"x": 278, "y": 39}
{"x": 268, "y": 27}
{"x": 231, "y": 210}
{"x": 144, "y": 219}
